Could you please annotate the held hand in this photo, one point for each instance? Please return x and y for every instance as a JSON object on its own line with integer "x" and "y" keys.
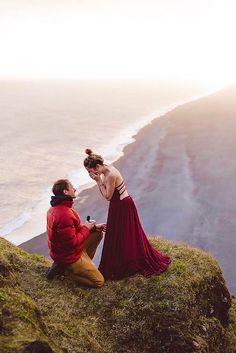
{"x": 101, "y": 227}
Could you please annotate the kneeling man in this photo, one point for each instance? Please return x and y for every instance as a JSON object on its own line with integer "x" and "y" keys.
{"x": 72, "y": 244}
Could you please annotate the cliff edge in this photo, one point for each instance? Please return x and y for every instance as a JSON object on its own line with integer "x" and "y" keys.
{"x": 188, "y": 309}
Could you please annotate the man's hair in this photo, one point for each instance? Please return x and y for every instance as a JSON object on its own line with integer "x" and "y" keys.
{"x": 59, "y": 186}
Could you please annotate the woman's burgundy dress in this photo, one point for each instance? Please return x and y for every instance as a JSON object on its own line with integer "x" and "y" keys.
{"x": 126, "y": 249}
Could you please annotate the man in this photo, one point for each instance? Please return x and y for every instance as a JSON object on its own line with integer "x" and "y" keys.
{"x": 72, "y": 244}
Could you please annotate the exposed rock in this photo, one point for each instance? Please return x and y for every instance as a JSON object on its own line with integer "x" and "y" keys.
{"x": 38, "y": 347}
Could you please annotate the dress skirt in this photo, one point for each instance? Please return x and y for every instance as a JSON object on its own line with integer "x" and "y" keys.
{"x": 126, "y": 249}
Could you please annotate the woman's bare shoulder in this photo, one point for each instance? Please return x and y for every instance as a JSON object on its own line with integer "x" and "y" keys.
{"x": 115, "y": 172}
{"x": 116, "y": 175}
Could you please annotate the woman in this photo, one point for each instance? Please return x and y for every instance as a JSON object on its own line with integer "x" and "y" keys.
{"x": 126, "y": 249}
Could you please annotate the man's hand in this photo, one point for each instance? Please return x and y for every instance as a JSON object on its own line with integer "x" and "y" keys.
{"x": 90, "y": 225}
{"x": 101, "y": 227}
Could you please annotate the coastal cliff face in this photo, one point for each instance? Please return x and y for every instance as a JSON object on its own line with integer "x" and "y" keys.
{"x": 180, "y": 170}
{"x": 186, "y": 310}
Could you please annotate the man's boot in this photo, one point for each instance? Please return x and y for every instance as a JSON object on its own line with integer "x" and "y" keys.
{"x": 55, "y": 270}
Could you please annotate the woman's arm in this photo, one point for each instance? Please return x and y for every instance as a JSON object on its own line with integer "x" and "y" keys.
{"x": 107, "y": 187}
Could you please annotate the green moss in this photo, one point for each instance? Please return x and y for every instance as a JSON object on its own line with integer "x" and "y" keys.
{"x": 232, "y": 324}
{"x": 37, "y": 257}
{"x": 2, "y": 296}
{"x": 184, "y": 310}
{"x": 178, "y": 267}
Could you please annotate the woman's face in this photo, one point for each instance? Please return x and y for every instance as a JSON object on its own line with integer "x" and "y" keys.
{"x": 93, "y": 170}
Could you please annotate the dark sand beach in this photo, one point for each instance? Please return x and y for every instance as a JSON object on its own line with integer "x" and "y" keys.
{"x": 181, "y": 172}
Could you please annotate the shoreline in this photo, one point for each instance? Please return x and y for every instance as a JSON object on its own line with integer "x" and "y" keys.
{"x": 124, "y": 138}
{"x": 180, "y": 173}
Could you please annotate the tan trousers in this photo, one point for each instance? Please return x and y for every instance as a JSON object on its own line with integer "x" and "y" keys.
{"x": 84, "y": 270}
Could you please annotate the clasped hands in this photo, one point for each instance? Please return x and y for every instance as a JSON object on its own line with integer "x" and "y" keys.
{"x": 92, "y": 226}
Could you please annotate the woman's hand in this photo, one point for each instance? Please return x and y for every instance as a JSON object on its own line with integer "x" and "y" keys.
{"x": 101, "y": 227}
{"x": 95, "y": 176}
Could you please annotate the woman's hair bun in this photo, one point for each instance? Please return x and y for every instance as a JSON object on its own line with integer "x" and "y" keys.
{"x": 88, "y": 151}
{"x": 92, "y": 159}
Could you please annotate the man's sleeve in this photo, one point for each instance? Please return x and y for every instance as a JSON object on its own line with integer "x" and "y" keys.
{"x": 73, "y": 235}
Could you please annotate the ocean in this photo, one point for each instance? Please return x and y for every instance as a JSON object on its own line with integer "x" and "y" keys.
{"x": 46, "y": 126}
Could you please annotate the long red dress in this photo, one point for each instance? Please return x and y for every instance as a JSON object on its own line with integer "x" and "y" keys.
{"x": 126, "y": 249}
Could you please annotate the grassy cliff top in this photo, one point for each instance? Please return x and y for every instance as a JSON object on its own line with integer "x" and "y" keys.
{"x": 187, "y": 309}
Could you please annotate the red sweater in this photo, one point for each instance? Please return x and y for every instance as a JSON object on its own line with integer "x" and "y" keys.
{"x": 65, "y": 233}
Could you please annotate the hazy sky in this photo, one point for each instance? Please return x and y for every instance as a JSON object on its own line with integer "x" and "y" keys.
{"x": 171, "y": 39}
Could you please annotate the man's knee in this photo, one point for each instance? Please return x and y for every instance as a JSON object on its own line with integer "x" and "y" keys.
{"x": 96, "y": 278}
{"x": 99, "y": 282}
{"x": 85, "y": 269}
